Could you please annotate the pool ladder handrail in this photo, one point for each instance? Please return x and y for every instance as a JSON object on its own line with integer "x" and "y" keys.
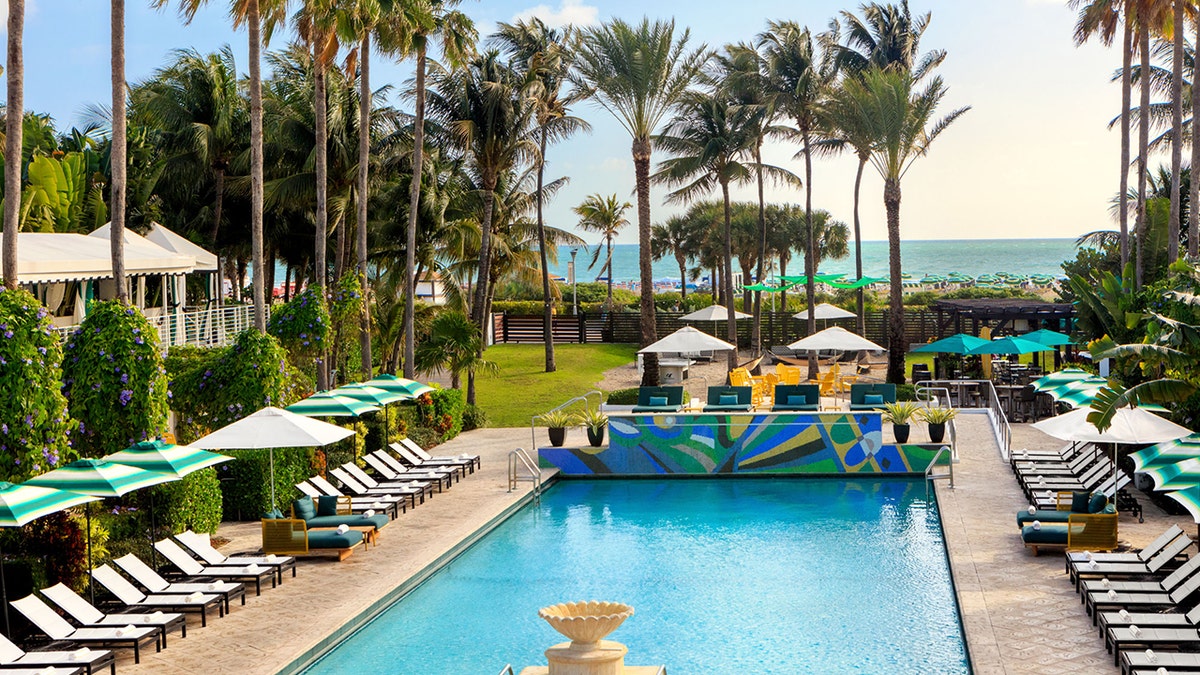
{"x": 507, "y": 670}
{"x": 931, "y": 476}
{"x": 1001, "y": 429}
{"x": 516, "y": 460}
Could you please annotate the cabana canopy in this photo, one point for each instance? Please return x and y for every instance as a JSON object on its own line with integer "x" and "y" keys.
{"x": 168, "y": 239}
{"x": 687, "y": 339}
{"x": 836, "y": 338}
{"x": 825, "y": 311}
{"x": 46, "y": 257}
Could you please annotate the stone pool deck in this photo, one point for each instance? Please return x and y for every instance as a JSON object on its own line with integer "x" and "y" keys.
{"x": 1020, "y": 614}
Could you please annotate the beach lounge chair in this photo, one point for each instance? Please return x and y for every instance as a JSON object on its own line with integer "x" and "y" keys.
{"x": 410, "y": 462}
{"x": 826, "y": 382}
{"x": 90, "y": 661}
{"x": 152, "y": 581}
{"x": 1081, "y": 532}
{"x": 796, "y": 398}
{"x": 1166, "y": 559}
{"x": 1125, "y": 618}
{"x": 389, "y": 466}
{"x": 1121, "y": 638}
{"x": 131, "y": 597}
{"x": 1142, "y": 584}
{"x": 1152, "y": 549}
{"x": 332, "y": 512}
{"x": 403, "y": 478}
{"x": 729, "y": 399}
{"x": 202, "y": 548}
{"x": 871, "y": 395}
{"x": 409, "y": 493}
{"x": 1076, "y": 466}
{"x": 86, "y": 614}
{"x": 193, "y": 569}
{"x": 53, "y": 625}
{"x": 393, "y": 506}
{"x": 1080, "y": 502}
{"x": 659, "y": 399}
{"x": 46, "y": 670}
{"x": 426, "y": 458}
{"x": 1150, "y": 661}
{"x": 353, "y": 485}
{"x": 788, "y": 374}
{"x": 290, "y": 536}
{"x": 1100, "y": 601}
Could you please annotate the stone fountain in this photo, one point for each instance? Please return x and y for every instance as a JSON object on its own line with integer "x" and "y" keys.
{"x": 586, "y": 624}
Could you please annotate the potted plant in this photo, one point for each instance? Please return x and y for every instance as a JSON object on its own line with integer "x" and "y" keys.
{"x": 899, "y": 414}
{"x": 936, "y": 418}
{"x": 595, "y": 422}
{"x": 557, "y": 422}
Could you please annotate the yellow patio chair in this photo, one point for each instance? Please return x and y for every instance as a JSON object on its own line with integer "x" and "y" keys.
{"x": 827, "y": 381}
{"x": 787, "y": 374}
{"x": 740, "y": 377}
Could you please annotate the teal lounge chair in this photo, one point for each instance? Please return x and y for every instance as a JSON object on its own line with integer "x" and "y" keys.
{"x": 331, "y": 512}
{"x": 797, "y": 398}
{"x": 729, "y": 399}
{"x": 871, "y": 396}
{"x": 659, "y": 400}
{"x": 290, "y": 536}
{"x": 1081, "y": 502}
{"x": 1081, "y": 532}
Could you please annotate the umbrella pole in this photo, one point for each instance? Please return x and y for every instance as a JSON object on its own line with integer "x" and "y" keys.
{"x": 386, "y": 440}
{"x": 87, "y": 510}
{"x": 153, "y": 530}
{"x": 272, "y": 453}
{"x": 4, "y": 595}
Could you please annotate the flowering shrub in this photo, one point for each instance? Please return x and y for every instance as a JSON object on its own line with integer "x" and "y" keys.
{"x": 302, "y": 324}
{"x": 114, "y": 379}
{"x": 34, "y": 426}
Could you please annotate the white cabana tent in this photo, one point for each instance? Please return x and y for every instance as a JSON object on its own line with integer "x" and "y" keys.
{"x": 835, "y": 339}
{"x": 205, "y": 261}
{"x": 687, "y": 339}
{"x": 47, "y": 257}
{"x": 713, "y": 313}
{"x": 825, "y": 311}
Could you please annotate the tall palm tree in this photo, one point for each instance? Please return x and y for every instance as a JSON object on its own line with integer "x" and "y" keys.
{"x": 1177, "y": 25}
{"x": 542, "y": 54}
{"x": 116, "y": 231}
{"x": 15, "y": 75}
{"x": 904, "y": 127}
{"x": 679, "y": 238}
{"x": 605, "y": 215}
{"x": 1150, "y": 17}
{"x": 638, "y": 73}
{"x": 1194, "y": 187}
{"x": 799, "y": 79}
{"x": 427, "y": 20}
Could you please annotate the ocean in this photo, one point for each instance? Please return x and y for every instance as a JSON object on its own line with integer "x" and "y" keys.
{"x": 971, "y": 257}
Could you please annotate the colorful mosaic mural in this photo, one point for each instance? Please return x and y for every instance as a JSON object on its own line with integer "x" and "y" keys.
{"x": 817, "y": 443}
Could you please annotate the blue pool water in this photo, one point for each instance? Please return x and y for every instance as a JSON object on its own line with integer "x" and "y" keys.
{"x": 760, "y": 576}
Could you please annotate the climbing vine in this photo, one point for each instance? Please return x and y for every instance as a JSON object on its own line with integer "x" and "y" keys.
{"x": 302, "y": 325}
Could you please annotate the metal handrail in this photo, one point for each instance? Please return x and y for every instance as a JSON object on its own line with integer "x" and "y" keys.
{"x": 507, "y": 670}
{"x": 929, "y": 475}
{"x": 518, "y": 458}
{"x": 1000, "y": 426}
{"x": 926, "y": 393}
{"x": 533, "y": 420}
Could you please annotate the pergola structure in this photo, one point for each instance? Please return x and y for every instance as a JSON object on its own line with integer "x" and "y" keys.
{"x": 1005, "y": 316}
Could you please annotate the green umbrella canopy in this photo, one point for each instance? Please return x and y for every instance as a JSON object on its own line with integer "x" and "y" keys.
{"x": 764, "y": 288}
{"x": 818, "y": 278}
{"x": 20, "y": 504}
{"x": 1175, "y": 476}
{"x": 393, "y": 383}
{"x": 1188, "y": 498}
{"x": 1051, "y": 380}
{"x": 177, "y": 460}
{"x": 1049, "y": 338}
{"x": 327, "y": 404}
{"x": 858, "y": 283}
{"x": 1166, "y": 453}
{"x": 1011, "y": 345}
{"x": 960, "y": 343}
{"x": 99, "y": 478}
{"x": 360, "y": 391}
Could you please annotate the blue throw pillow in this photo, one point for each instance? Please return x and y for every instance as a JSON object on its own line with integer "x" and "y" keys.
{"x": 327, "y": 506}
{"x": 728, "y": 399}
{"x": 658, "y": 400}
{"x": 1079, "y": 502}
{"x": 304, "y": 508}
{"x": 873, "y": 399}
{"x": 273, "y": 515}
{"x": 1097, "y": 503}
{"x": 793, "y": 399}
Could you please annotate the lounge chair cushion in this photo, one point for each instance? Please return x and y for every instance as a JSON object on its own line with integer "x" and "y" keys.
{"x": 873, "y": 399}
{"x": 1079, "y": 502}
{"x": 662, "y": 400}
{"x": 275, "y": 514}
{"x": 797, "y": 400}
{"x": 1055, "y": 533}
{"x": 334, "y": 539}
{"x": 377, "y": 521}
{"x": 304, "y": 508}
{"x": 727, "y": 399}
{"x": 327, "y": 506}
{"x": 1097, "y": 503}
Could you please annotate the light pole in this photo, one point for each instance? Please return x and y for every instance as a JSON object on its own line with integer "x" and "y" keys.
{"x": 574, "y": 284}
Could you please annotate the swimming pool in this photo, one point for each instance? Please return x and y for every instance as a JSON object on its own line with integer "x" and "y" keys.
{"x": 726, "y": 576}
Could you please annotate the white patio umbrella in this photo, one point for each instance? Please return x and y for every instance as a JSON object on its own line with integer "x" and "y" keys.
{"x": 825, "y": 311}
{"x": 714, "y": 313}
{"x": 686, "y": 339}
{"x": 272, "y": 428}
{"x": 835, "y": 338}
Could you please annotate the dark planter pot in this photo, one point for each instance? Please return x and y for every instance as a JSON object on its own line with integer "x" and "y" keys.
{"x": 937, "y": 432}
{"x": 595, "y": 437}
{"x": 900, "y": 431}
{"x": 558, "y": 436}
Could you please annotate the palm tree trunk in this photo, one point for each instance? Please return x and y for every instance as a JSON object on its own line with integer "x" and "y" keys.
{"x": 414, "y": 201}
{"x": 862, "y": 320}
{"x": 341, "y": 260}
{"x": 641, "y": 167}
{"x": 364, "y": 158}
{"x": 13, "y": 140}
{"x": 218, "y": 201}
{"x": 1194, "y": 184}
{"x": 810, "y": 254}
{"x": 547, "y": 301}
{"x": 116, "y": 231}
{"x": 783, "y": 261}
{"x": 1126, "y": 105}
{"x": 896, "y": 346}
{"x": 321, "y": 226}
{"x": 256, "y": 164}
{"x": 1176, "y": 131}
{"x": 756, "y": 329}
{"x": 731, "y": 321}
{"x": 1143, "y": 152}
{"x": 479, "y": 305}
{"x": 682, "y": 262}
{"x": 608, "y": 273}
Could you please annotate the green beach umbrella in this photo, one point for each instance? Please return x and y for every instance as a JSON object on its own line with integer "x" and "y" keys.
{"x": 764, "y": 288}
{"x": 393, "y": 383}
{"x": 857, "y": 283}
{"x": 1049, "y": 338}
{"x": 1078, "y": 393}
{"x": 1061, "y": 377}
{"x": 21, "y": 504}
{"x": 1189, "y": 498}
{"x": 960, "y": 343}
{"x": 327, "y": 404}
{"x": 1177, "y": 476}
{"x": 361, "y": 391}
{"x": 1010, "y": 345}
{"x": 1166, "y": 453}
{"x": 163, "y": 457}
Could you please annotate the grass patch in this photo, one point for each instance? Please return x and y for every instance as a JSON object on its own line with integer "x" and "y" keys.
{"x": 523, "y": 389}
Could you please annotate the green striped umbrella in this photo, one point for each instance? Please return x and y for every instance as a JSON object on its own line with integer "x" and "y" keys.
{"x": 1189, "y": 498}
{"x": 1175, "y": 476}
{"x": 1061, "y": 377}
{"x": 20, "y": 504}
{"x": 960, "y": 343}
{"x": 176, "y": 460}
{"x": 1049, "y": 338}
{"x": 361, "y": 391}
{"x": 393, "y": 383}
{"x": 327, "y": 404}
{"x": 1078, "y": 393}
{"x": 1166, "y": 453}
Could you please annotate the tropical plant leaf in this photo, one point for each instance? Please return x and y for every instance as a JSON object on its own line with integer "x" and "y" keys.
{"x": 1115, "y": 396}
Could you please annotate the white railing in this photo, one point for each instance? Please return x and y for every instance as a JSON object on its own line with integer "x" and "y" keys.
{"x": 210, "y": 327}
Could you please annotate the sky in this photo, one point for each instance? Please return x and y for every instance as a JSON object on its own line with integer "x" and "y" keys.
{"x": 1033, "y": 158}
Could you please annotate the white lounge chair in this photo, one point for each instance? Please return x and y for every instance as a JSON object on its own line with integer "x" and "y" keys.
{"x": 53, "y": 625}
{"x": 420, "y": 452}
{"x": 393, "y": 506}
{"x": 329, "y": 490}
{"x": 86, "y": 614}
{"x": 144, "y": 575}
{"x": 251, "y": 573}
{"x": 203, "y": 549}
{"x": 130, "y": 596}
{"x": 88, "y": 660}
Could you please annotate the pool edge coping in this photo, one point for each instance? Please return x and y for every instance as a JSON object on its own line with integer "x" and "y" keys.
{"x": 979, "y": 635}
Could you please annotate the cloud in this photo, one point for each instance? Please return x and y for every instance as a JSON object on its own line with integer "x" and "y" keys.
{"x": 572, "y": 12}
{"x": 614, "y": 164}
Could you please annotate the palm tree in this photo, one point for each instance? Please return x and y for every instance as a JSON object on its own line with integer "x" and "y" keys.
{"x": 15, "y": 66}
{"x": 679, "y": 238}
{"x": 605, "y": 215}
{"x": 1150, "y": 15}
{"x": 542, "y": 54}
{"x": 116, "y": 231}
{"x": 798, "y": 80}
{"x": 1177, "y": 25}
{"x": 427, "y": 19}
{"x": 1193, "y": 228}
{"x": 454, "y": 344}
{"x": 638, "y": 73}
{"x": 902, "y": 120}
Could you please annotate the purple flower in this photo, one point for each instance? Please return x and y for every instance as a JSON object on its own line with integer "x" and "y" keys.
{"x": 124, "y": 378}
{"x": 42, "y": 351}
{"x": 29, "y": 421}
{"x": 8, "y": 334}
{"x": 139, "y": 341}
{"x": 125, "y": 397}
{"x": 4, "y": 428}
{"x": 129, "y": 312}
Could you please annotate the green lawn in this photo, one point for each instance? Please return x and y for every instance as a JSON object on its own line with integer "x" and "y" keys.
{"x": 522, "y": 389}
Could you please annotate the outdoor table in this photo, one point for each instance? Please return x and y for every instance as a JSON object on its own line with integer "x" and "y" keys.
{"x": 1008, "y": 393}
{"x": 671, "y": 371}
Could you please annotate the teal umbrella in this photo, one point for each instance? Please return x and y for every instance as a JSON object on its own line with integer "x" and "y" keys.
{"x": 1166, "y": 453}
{"x": 1077, "y": 394}
{"x": 1010, "y": 345}
{"x": 393, "y": 383}
{"x": 1189, "y": 498}
{"x": 327, "y": 404}
{"x": 1175, "y": 476}
{"x": 1049, "y": 338}
{"x": 21, "y": 504}
{"x": 361, "y": 391}
{"x": 1061, "y": 377}
{"x": 960, "y": 343}
{"x": 163, "y": 457}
